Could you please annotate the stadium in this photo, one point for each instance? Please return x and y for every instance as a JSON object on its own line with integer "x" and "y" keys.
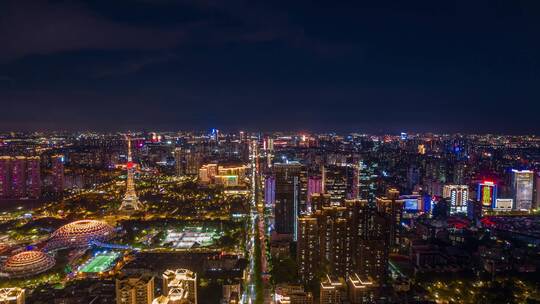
{"x": 80, "y": 234}
{"x": 28, "y": 263}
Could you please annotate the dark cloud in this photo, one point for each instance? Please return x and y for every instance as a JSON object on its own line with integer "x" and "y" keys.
{"x": 424, "y": 65}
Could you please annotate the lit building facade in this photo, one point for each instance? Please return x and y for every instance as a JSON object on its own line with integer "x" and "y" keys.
{"x": 458, "y": 195}
{"x": 135, "y": 289}
{"x": 487, "y": 194}
{"x": 522, "y": 189}
{"x": 12, "y": 295}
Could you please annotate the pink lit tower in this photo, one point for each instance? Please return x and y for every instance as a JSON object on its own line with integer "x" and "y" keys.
{"x": 131, "y": 200}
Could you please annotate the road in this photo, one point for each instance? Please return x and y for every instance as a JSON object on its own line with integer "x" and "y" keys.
{"x": 257, "y": 287}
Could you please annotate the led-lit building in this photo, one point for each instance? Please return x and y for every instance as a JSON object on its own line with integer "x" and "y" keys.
{"x": 522, "y": 188}
{"x": 504, "y": 204}
{"x": 361, "y": 290}
{"x": 314, "y": 185}
{"x": 28, "y": 263}
{"x": 179, "y": 162}
{"x": 5, "y": 176}
{"x": 135, "y": 289}
{"x": 12, "y": 295}
{"x": 487, "y": 194}
{"x": 270, "y": 191}
{"x": 18, "y": 177}
{"x": 58, "y": 173}
{"x": 458, "y": 195}
{"x": 332, "y": 291}
{"x": 33, "y": 177}
{"x": 180, "y": 286}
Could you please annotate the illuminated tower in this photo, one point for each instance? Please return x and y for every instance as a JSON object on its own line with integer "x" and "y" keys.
{"x": 131, "y": 200}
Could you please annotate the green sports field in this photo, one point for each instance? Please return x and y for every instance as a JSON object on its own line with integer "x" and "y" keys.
{"x": 100, "y": 262}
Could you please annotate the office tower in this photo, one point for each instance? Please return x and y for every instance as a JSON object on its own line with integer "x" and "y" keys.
{"x": 458, "y": 195}
{"x": 331, "y": 291}
{"x": 18, "y": 176}
{"x": 58, "y": 173}
{"x": 335, "y": 250}
{"x": 180, "y": 286}
{"x": 361, "y": 289}
{"x": 12, "y": 295}
{"x": 307, "y": 253}
{"x": 487, "y": 194}
{"x": 522, "y": 188}
{"x": 392, "y": 207}
{"x": 179, "y": 161}
{"x": 5, "y": 176}
{"x": 303, "y": 179}
{"x": 314, "y": 185}
{"x": 270, "y": 190}
{"x": 135, "y": 289}
{"x": 33, "y": 177}
{"x": 335, "y": 184}
{"x": 287, "y": 197}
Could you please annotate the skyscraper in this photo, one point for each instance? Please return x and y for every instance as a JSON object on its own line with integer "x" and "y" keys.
{"x": 58, "y": 173}
{"x": 307, "y": 253}
{"x": 33, "y": 177}
{"x": 522, "y": 188}
{"x": 335, "y": 184}
{"x": 5, "y": 176}
{"x": 179, "y": 161}
{"x": 391, "y": 207}
{"x": 344, "y": 240}
{"x": 270, "y": 190}
{"x": 18, "y": 177}
{"x": 287, "y": 197}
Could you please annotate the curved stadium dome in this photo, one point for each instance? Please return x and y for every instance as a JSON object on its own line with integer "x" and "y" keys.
{"x": 80, "y": 234}
{"x": 28, "y": 263}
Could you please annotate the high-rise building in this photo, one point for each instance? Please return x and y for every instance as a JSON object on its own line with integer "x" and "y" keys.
{"x": 522, "y": 188}
{"x": 367, "y": 179}
{"x": 18, "y": 176}
{"x": 335, "y": 249}
{"x": 292, "y": 294}
{"x": 487, "y": 194}
{"x": 5, "y": 176}
{"x": 341, "y": 241}
{"x": 287, "y": 197}
{"x": 307, "y": 253}
{"x": 179, "y": 164}
{"x": 314, "y": 186}
{"x": 458, "y": 195}
{"x": 12, "y": 295}
{"x": 392, "y": 207}
{"x": 58, "y": 173}
{"x": 180, "y": 286}
{"x": 33, "y": 177}
{"x": 361, "y": 289}
{"x": 135, "y": 289}
{"x": 332, "y": 291}
{"x": 270, "y": 191}
{"x": 319, "y": 200}
{"x": 335, "y": 184}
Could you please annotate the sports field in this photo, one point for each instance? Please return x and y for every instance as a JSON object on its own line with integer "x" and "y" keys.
{"x": 100, "y": 262}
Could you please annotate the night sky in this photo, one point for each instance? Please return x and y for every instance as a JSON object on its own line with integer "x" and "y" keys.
{"x": 374, "y": 66}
